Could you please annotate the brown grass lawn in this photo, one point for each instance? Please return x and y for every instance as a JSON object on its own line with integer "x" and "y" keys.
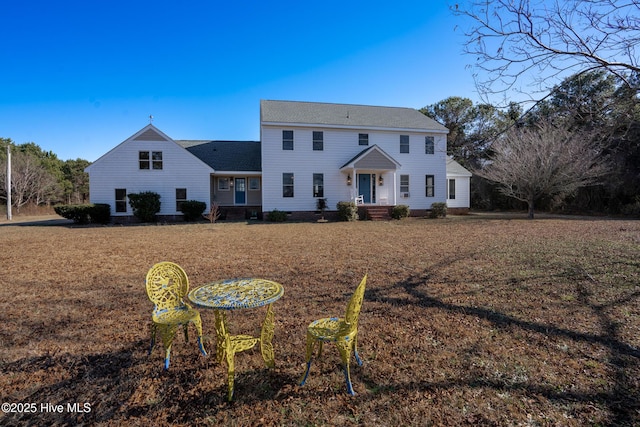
{"x": 466, "y": 321}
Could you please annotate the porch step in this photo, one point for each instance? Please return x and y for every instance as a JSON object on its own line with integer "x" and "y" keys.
{"x": 235, "y": 214}
{"x": 378, "y": 213}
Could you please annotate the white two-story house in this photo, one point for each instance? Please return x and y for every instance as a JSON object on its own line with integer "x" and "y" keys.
{"x": 377, "y": 156}
{"x": 380, "y": 156}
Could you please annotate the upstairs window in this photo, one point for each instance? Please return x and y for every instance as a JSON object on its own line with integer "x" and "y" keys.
{"x": 429, "y": 145}
{"x": 318, "y": 141}
{"x": 363, "y": 139}
{"x": 156, "y": 159}
{"x": 287, "y": 140}
{"x": 150, "y": 159}
{"x": 404, "y": 143}
{"x": 143, "y": 158}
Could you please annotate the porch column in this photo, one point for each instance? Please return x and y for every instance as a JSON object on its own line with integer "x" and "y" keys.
{"x": 395, "y": 193}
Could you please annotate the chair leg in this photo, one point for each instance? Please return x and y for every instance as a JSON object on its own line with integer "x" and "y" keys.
{"x": 197, "y": 322}
{"x": 345, "y": 354}
{"x": 201, "y": 347}
{"x": 167, "y": 356}
{"x": 310, "y": 343}
{"x": 355, "y": 350}
{"x": 167, "y": 332}
{"x": 154, "y": 329}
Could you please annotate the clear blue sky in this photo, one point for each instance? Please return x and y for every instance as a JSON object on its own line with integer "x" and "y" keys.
{"x": 79, "y": 77}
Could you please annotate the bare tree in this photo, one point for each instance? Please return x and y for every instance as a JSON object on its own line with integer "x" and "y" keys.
{"x": 517, "y": 42}
{"x": 543, "y": 161}
{"x": 31, "y": 182}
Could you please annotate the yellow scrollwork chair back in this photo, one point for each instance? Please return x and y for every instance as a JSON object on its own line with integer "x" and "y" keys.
{"x": 167, "y": 284}
{"x": 341, "y": 331}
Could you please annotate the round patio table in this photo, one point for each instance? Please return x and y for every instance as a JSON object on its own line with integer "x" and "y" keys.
{"x": 233, "y": 294}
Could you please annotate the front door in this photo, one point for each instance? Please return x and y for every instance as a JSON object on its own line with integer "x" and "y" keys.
{"x": 241, "y": 191}
{"x": 364, "y": 186}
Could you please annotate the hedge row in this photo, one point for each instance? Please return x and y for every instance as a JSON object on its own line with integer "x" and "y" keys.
{"x": 99, "y": 213}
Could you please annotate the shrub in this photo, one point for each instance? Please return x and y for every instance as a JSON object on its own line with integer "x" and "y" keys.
{"x": 321, "y": 205}
{"x": 145, "y": 205}
{"x": 438, "y": 210}
{"x": 78, "y": 213}
{"x": 192, "y": 209}
{"x": 214, "y": 213}
{"x": 277, "y": 216}
{"x": 347, "y": 211}
{"x": 400, "y": 211}
{"x": 99, "y": 213}
{"x": 632, "y": 209}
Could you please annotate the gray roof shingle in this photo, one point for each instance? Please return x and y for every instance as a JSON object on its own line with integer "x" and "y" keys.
{"x": 364, "y": 116}
{"x": 227, "y": 155}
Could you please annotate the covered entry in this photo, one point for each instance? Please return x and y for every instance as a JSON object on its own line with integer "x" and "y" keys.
{"x": 374, "y": 176}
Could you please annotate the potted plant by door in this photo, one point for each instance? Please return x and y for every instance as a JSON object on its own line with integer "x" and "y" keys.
{"x": 321, "y": 205}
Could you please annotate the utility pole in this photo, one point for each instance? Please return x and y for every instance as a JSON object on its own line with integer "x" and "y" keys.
{"x": 9, "y": 182}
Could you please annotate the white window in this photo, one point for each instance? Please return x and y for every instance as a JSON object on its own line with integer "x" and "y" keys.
{"x": 318, "y": 185}
{"x": 287, "y": 184}
{"x": 224, "y": 184}
{"x": 121, "y": 199}
{"x": 451, "y": 187}
{"x": 404, "y": 143}
{"x": 318, "y": 141}
{"x": 430, "y": 186}
{"x": 181, "y": 197}
{"x": 404, "y": 185}
{"x": 254, "y": 184}
{"x": 287, "y": 140}
{"x": 148, "y": 160}
{"x": 429, "y": 145}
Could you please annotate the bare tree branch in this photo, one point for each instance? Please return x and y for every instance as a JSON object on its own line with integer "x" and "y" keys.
{"x": 529, "y": 45}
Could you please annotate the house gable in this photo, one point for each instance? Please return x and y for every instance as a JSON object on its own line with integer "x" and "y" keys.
{"x": 149, "y": 161}
{"x": 150, "y": 134}
{"x": 372, "y": 158}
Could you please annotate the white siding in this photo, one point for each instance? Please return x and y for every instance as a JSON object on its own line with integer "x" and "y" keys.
{"x": 463, "y": 189}
{"x": 340, "y": 146}
{"x": 119, "y": 168}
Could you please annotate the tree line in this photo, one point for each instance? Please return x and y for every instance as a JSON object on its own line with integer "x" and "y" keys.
{"x": 577, "y": 150}
{"x": 39, "y": 177}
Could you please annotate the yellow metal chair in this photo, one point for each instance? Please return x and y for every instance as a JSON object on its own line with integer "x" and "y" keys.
{"x": 342, "y": 331}
{"x": 167, "y": 284}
